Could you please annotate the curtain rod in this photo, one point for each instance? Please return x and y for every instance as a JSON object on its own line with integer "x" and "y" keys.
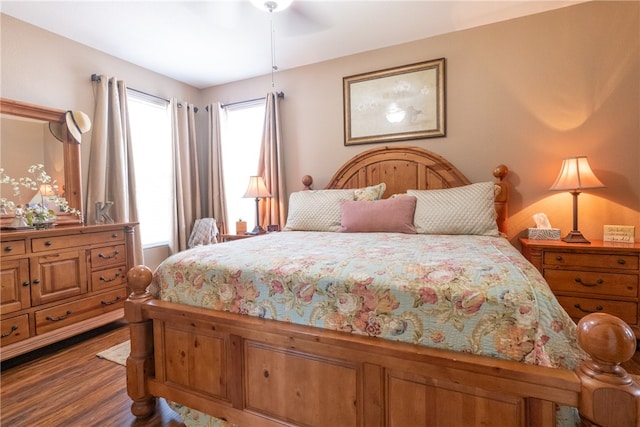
{"x": 279, "y": 94}
{"x": 96, "y": 78}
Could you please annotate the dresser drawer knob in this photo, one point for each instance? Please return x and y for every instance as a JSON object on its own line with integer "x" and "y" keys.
{"x": 590, "y": 285}
{"x": 8, "y": 248}
{"x": 57, "y": 319}
{"x": 48, "y": 243}
{"x": 598, "y": 308}
{"x": 13, "y": 329}
{"x": 103, "y": 256}
{"x": 559, "y": 258}
{"x": 621, "y": 261}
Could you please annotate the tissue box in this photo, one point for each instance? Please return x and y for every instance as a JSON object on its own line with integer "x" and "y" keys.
{"x": 543, "y": 233}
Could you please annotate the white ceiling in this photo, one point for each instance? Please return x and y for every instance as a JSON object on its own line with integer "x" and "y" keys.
{"x": 206, "y": 43}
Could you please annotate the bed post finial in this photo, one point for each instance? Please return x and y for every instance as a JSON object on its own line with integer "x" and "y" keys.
{"x": 307, "y": 181}
{"x": 609, "y": 341}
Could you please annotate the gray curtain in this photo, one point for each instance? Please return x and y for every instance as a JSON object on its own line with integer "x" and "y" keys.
{"x": 216, "y": 204}
{"x": 111, "y": 170}
{"x": 271, "y": 166}
{"x": 187, "y": 186}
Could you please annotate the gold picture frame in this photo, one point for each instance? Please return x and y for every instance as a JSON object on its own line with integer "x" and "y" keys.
{"x": 395, "y": 104}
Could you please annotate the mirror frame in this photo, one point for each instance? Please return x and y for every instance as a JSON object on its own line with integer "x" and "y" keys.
{"x": 71, "y": 150}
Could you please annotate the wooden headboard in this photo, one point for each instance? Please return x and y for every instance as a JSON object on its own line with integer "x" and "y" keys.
{"x": 405, "y": 167}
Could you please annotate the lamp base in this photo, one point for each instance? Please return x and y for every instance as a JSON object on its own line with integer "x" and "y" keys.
{"x": 575, "y": 237}
{"x": 256, "y": 230}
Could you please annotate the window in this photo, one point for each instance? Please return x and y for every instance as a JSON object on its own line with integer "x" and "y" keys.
{"x": 241, "y": 136}
{"x": 150, "y": 121}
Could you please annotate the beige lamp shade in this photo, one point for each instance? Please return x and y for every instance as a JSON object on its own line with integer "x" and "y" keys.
{"x": 576, "y": 174}
{"x": 257, "y": 188}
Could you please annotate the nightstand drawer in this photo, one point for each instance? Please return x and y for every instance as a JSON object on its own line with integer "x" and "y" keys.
{"x": 626, "y": 262}
{"x": 592, "y": 283}
{"x": 580, "y": 307}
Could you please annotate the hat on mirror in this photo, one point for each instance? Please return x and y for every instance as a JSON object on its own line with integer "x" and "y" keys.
{"x": 78, "y": 123}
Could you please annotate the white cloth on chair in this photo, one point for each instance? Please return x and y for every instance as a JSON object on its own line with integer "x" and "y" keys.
{"x": 205, "y": 232}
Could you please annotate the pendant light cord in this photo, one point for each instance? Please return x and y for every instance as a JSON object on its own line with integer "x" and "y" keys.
{"x": 274, "y": 67}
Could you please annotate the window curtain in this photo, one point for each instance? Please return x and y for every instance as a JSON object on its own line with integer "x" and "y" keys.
{"x": 271, "y": 165}
{"x": 187, "y": 186}
{"x": 216, "y": 204}
{"x": 111, "y": 169}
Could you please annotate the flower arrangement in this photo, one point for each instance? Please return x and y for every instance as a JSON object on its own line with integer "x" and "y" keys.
{"x": 37, "y": 214}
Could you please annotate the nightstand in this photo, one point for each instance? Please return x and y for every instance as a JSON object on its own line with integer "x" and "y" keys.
{"x": 589, "y": 278}
{"x": 230, "y": 237}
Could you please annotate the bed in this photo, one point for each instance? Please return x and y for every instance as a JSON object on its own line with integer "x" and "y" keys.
{"x": 349, "y": 318}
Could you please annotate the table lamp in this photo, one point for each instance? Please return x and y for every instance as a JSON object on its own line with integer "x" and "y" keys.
{"x": 258, "y": 190}
{"x": 575, "y": 175}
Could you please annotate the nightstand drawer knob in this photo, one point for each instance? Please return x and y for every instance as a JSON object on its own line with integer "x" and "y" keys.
{"x": 598, "y": 308}
{"x": 559, "y": 258}
{"x": 590, "y": 285}
{"x": 622, "y": 262}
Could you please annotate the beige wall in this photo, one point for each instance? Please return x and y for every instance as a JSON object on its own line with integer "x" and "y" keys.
{"x": 525, "y": 92}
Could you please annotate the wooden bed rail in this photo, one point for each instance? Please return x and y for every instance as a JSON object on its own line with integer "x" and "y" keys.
{"x": 605, "y": 394}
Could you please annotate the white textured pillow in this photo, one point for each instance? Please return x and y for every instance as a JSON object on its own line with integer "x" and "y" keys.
{"x": 460, "y": 210}
{"x": 316, "y": 210}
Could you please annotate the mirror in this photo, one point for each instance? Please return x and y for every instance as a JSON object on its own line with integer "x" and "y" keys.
{"x": 26, "y": 140}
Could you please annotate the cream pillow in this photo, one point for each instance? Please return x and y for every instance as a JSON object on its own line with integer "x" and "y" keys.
{"x": 316, "y": 210}
{"x": 460, "y": 210}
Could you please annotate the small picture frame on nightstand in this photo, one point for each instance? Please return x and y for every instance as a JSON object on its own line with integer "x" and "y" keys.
{"x": 619, "y": 233}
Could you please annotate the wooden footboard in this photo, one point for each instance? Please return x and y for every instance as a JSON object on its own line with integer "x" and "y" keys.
{"x": 256, "y": 372}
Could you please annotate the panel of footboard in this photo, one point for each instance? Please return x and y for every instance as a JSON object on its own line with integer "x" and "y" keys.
{"x": 263, "y": 375}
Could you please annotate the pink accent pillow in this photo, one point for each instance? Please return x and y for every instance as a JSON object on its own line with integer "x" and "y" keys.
{"x": 388, "y": 215}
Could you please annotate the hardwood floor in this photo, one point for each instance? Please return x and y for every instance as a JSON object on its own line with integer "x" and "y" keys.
{"x": 67, "y": 385}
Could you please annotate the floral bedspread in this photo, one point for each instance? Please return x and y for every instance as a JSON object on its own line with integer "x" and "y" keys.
{"x": 473, "y": 294}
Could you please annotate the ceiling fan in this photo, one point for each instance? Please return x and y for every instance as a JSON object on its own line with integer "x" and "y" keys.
{"x": 294, "y": 18}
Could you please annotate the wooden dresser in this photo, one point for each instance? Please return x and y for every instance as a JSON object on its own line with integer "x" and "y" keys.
{"x": 60, "y": 282}
{"x": 588, "y": 278}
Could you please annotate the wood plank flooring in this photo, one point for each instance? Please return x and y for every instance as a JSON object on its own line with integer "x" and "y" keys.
{"x": 67, "y": 385}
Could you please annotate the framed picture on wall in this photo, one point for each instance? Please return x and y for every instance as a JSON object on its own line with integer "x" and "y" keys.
{"x": 395, "y": 104}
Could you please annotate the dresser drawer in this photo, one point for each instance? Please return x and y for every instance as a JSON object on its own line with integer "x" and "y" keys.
{"x": 14, "y": 247}
{"x": 64, "y": 242}
{"x": 580, "y": 307}
{"x": 14, "y": 329}
{"x": 109, "y": 278}
{"x": 625, "y": 262}
{"x": 77, "y": 311}
{"x": 109, "y": 255}
{"x": 592, "y": 282}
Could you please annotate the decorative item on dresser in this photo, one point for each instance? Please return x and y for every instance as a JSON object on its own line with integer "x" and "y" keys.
{"x": 599, "y": 278}
{"x": 60, "y": 282}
